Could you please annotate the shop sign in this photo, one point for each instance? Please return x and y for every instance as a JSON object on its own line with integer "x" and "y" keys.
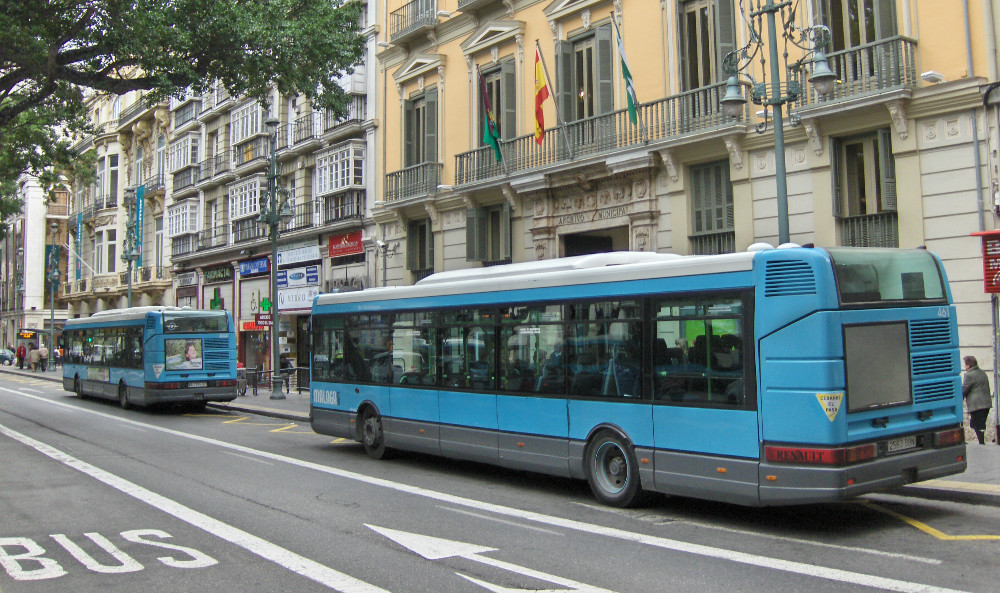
{"x": 299, "y": 252}
{"x": 305, "y": 276}
{"x": 253, "y": 266}
{"x": 297, "y": 298}
{"x": 218, "y": 274}
{"x": 252, "y": 326}
{"x": 346, "y": 244}
{"x": 187, "y": 279}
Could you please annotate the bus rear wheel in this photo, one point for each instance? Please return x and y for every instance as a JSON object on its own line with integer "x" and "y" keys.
{"x": 612, "y": 471}
{"x": 78, "y": 387}
{"x": 372, "y": 436}
{"x": 123, "y": 396}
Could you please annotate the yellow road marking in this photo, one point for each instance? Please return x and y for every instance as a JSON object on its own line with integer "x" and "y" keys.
{"x": 956, "y": 485}
{"x": 925, "y": 527}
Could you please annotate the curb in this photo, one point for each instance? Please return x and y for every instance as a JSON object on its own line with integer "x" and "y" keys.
{"x": 236, "y": 406}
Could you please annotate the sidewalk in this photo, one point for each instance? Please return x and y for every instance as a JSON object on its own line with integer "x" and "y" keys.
{"x": 982, "y": 478}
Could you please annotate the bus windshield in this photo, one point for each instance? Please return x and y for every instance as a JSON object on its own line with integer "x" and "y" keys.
{"x": 888, "y": 276}
{"x": 195, "y": 322}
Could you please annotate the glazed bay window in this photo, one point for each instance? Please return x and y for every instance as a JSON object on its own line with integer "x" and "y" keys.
{"x": 246, "y": 122}
{"x": 184, "y": 152}
{"x": 340, "y": 168}
{"x": 487, "y": 234}
{"x": 712, "y": 223}
{"x": 182, "y": 219}
{"x": 864, "y": 190}
{"x": 245, "y": 196}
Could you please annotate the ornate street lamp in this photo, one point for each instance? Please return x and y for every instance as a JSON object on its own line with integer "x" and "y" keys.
{"x": 277, "y": 211}
{"x": 53, "y": 279}
{"x": 811, "y": 40}
{"x": 19, "y": 265}
{"x": 130, "y": 252}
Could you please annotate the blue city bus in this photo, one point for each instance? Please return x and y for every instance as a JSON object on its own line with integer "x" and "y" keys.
{"x": 149, "y": 355}
{"x": 771, "y": 377}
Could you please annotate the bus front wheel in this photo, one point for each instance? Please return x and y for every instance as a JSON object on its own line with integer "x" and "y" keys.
{"x": 78, "y": 387}
{"x": 371, "y": 434}
{"x": 123, "y": 396}
{"x": 612, "y": 471}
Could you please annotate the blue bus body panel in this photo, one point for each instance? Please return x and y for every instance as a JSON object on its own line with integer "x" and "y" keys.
{"x": 547, "y": 416}
{"x": 733, "y": 433}
{"x": 412, "y": 404}
{"x": 635, "y": 420}
{"x": 475, "y": 410}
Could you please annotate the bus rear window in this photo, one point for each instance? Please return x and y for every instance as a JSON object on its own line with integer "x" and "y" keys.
{"x": 887, "y": 276}
{"x": 196, "y": 322}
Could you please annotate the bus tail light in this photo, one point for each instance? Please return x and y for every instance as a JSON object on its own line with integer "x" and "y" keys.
{"x": 946, "y": 438}
{"x": 820, "y": 456}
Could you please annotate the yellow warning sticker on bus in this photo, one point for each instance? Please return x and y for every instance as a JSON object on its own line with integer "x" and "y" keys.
{"x": 830, "y": 402}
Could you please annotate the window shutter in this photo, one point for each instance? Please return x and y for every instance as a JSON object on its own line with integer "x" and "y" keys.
{"x": 725, "y": 33}
{"x": 508, "y": 98}
{"x": 431, "y": 126}
{"x": 505, "y": 232}
{"x": 837, "y": 180}
{"x": 429, "y": 231}
{"x": 564, "y": 76}
{"x": 471, "y": 235}
{"x": 411, "y": 246}
{"x": 699, "y": 190}
{"x": 605, "y": 57}
{"x": 409, "y": 114}
{"x": 887, "y": 171}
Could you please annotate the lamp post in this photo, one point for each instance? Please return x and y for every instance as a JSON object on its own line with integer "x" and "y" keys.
{"x": 130, "y": 252}
{"x": 53, "y": 280}
{"x": 275, "y": 212}
{"x": 19, "y": 264}
{"x": 811, "y": 40}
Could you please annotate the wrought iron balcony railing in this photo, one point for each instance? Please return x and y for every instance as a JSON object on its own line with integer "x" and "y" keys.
{"x": 251, "y": 150}
{"x": 713, "y": 243}
{"x": 411, "y": 18}
{"x": 411, "y": 182}
{"x": 868, "y": 69}
{"x": 349, "y": 205}
{"x": 870, "y": 230}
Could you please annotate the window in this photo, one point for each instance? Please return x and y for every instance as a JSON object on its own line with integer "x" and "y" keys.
{"x": 138, "y": 177}
{"x": 105, "y": 251}
{"x": 112, "y": 191}
{"x": 182, "y": 219}
{"x": 116, "y": 108}
{"x": 712, "y": 208}
{"x": 488, "y": 234}
{"x": 244, "y": 198}
{"x": 101, "y": 179}
{"x": 708, "y": 33}
{"x": 420, "y": 128}
{"x": 184, "y": 152}
{"x": 419, "y": 245}
{"x": 501, "y": 88}
{"x": 158, "y": 243}
{"x": 857, "y": 22}
{"x": 585, "y": 66}
{"x": 246, "y": 122}
{"x": 340, "y": 168}
{"x": 864, "y": 190}
{"x": 699, "y": 351}
{"x": 161, "y": 154}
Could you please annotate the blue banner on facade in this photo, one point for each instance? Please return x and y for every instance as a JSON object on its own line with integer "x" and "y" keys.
{"x": 79, "y": 235}
{"x": 254, "y": 266}
{"x": 139, "y": 201}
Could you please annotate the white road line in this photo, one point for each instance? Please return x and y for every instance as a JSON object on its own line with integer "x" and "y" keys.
{"x": 503, "y": 521}
{"x": 298, "y": 564}
{"x": 248, "y": 458}
{"x": 794, "y": 540}
{"x": 822, "y": 572}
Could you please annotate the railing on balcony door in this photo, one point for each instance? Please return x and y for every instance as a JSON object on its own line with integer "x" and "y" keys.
{"x": 355, "y": 113}
{"x": 686, "y": 113}
{"x": 870, "y": 230}
{"x": 154, "y": 182}
{"x": 868, "y": 69}
{"x": 412, "y": 16}
{"x": 306, "y": 127}
{"x": 186, "y": 113}
{"x": 185, "y": 178}
{"x": 713, "y": 243}
{"x": 214, "y": 237}
{"x": 221, "y": 163}
{"x": 206, "y": 169}
{"x": 349, "y": 205}
{"x": 251, "y": 150}
{"x": 248, "y": 229}
{"x": 182, "y": 245}
{"x": 418, "y": 180}
{"x": 303, "y": 219}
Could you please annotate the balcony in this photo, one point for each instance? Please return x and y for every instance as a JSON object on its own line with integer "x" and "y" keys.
{"x": 256, "y": 149}
{"x": 688, "y": 113}
{"x": 106, "y": 202}
{"x": 297, "y": 133}
{"x": 155, "y": 183}
{"x": 187, "y": 113}
{"x": 182, "y": 245}
{"x": 416, "y": 181}
{"x": 186, "y": 178}
{"x": 870, "y": 69}
{"x": 133, "y": 111}
{"x": 713, "y": 243}
{"x": 206, "y": 169}
{"x": 221, "y": 165}
{"x": 473, "y": 5}
{"x": 349, "y": 205}
{"x": 303, "y": 219}
{"x": 107, "y": 281}
{"x": 213, "y": 237}
{"x": 418, "y": 16}
{"x": 153, "y": 274}
{"x": 247, "y": 230}
{"x": 870, "y": 230}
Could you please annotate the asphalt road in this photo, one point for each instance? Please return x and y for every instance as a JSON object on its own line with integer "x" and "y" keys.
{"x": 93, "y": 498}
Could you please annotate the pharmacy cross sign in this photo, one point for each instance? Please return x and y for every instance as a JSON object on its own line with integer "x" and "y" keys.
{"x": 265, "y": 304}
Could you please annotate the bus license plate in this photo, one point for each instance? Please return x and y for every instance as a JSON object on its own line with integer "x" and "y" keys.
{"x": 198, "y": 384}
{"x": 902, "y": 444}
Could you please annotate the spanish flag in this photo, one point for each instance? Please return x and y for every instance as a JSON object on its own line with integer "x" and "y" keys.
{"x": 541, "y": 94}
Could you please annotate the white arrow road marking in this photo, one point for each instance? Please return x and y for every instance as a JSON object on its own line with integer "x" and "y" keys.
{"x": 436, "y": 548}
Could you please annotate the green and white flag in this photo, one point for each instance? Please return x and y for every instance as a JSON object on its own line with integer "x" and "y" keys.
{"x": 627, "y": 73}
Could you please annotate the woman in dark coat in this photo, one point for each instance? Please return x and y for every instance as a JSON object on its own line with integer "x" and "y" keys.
{"x": 976, "y": 390}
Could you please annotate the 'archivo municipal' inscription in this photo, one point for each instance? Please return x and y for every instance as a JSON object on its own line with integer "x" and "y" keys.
{"x": 603, "y": 214}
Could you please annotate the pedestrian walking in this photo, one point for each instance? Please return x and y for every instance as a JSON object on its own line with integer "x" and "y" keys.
{"x": 22, "y": 353}
{"x": 34, "y": 357}
{"x": 976, "y": 391}
{"x": 43, "y": 355}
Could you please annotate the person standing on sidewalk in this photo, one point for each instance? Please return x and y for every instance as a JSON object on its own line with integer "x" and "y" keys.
{"x": 22, "y": 353}
{"x": 34, "y": 357}
{"x": 976, "y": 391}
{"x": 43, "y": 355}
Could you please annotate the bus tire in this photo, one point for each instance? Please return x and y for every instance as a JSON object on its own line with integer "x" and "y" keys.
{"x": 123, "y": 396}
{"x": 78, "y": 387}
{"x": 372, "y": 436}
{"x": 612, "y": 471}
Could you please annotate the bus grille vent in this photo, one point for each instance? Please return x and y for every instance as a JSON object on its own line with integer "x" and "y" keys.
{"x": 788, "y": 278}
{"x": 216, "y": 355}
{"x": 932, "y": 392}
{"x": 216, "y": 344}
{"x": 216, "y": 366}
{"x": 933, "y": 332}
{"x": 150, "y": 324}
{"x": 930, "y": 364}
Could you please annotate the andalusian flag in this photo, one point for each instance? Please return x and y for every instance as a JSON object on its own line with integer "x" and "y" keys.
{"x": 541, "y": 94}
{"x": 491, "y": 132}
{"x": 627, "y": 73}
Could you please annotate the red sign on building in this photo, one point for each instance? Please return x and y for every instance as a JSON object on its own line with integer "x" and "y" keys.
{"x": 346, "y": 244}
{"x": 991, "y": 260}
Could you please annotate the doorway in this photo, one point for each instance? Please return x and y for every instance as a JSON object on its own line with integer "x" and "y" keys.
{"x": 602, "y": 241}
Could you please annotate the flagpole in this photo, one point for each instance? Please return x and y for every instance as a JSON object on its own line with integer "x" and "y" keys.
{"x": 643, "y": 132}
{"x": 555, "y": 100}
{"x": 482, "y": 102}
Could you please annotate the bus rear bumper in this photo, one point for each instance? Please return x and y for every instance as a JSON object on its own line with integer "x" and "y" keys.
{"x": 783, "y": 484}
{"x": 146, "y": 397}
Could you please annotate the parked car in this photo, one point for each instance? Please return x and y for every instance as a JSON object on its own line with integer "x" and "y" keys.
{"x": 6, "y": 357}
